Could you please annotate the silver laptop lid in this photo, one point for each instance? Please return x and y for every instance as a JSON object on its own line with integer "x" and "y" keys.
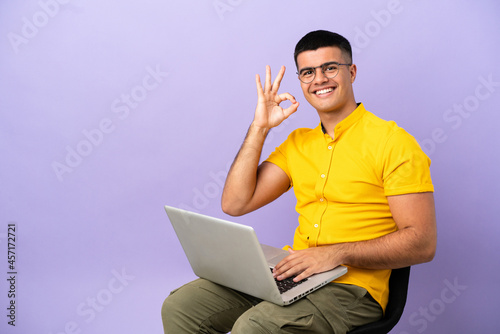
{"x": 225, "y": 253}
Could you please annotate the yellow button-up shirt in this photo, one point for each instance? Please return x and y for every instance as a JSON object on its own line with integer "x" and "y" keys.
{"x": 342, "y": 184}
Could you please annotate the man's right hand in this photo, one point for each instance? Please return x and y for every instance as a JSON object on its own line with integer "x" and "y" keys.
{"x": 249, "y": 185}
{"x": 268, "y": 113}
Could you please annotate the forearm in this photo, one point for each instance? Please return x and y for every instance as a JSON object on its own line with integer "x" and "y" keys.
{"x": 399, "y": 249}
{"x": 414, "y": 242}
{"x": 248, "y": 185}
{"x": 396, "y": 250}
{"x": 242, "y": 177}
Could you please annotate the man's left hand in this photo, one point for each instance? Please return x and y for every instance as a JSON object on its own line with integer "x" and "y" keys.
{"x": 306, "y": 262}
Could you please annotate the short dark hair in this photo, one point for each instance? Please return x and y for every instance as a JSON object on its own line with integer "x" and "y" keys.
{"x": 322, "y": 38}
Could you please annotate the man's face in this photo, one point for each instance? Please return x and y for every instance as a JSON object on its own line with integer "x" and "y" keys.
{"x": 327, "y": 94}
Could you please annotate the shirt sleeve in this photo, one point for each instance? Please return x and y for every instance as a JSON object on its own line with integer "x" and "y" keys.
{"x": 406, "y": 168}
{"x": 279, "y": 158}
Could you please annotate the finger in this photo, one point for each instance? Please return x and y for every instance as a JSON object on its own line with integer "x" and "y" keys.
{"x": 259, "y": 85}
{"x": 277, "y": 81}
{"x": 287, "y": 267}
{"x": 285, "y": 96}
{"x": 303, "y": 275}
{"x": 291, "y": 109}
{"x": 281, "y": 267}
{"x": 293, "y": 271}
{"x": 267, "y": 85}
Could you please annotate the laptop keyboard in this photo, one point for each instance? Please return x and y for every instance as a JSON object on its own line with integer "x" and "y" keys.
{"x": 287, "y": 283}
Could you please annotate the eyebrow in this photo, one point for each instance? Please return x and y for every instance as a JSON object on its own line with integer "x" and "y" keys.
{"x": 313, "y": 67}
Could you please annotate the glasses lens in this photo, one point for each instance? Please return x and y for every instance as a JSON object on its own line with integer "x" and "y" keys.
{"x": 330, "y": 69}
{"x": 306, "y": 75}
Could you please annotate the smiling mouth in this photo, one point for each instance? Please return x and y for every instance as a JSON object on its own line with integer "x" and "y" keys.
{"x": 324, "y": 91}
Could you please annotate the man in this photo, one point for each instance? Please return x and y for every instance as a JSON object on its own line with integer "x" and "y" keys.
{"x": 364, "y": 198}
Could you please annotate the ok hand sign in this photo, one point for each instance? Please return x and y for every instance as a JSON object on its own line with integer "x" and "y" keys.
{"x": 268, "y": 113}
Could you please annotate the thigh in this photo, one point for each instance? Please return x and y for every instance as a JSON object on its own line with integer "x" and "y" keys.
{"x": 335, "y": 308}
{"x": 203, "y": 307}
{"x": 346, "y": 306}
{"x": 266, "y": 317}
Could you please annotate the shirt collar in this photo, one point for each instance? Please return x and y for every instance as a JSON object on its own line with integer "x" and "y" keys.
{"x": 347, "y": 122}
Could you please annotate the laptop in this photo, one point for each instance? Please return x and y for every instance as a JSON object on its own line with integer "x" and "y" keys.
{"x": 230, "y": 254}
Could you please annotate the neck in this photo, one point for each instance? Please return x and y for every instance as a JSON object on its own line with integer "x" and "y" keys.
{"x": 332, "y": 118}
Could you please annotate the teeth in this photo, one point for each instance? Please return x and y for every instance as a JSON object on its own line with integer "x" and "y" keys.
{"x": 324, "y": 91}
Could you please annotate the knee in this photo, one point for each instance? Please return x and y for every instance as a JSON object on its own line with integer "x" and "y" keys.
{"x": 244, "y": 324}
{"x": 174, "y": 312}
{"x": 253, "y": 321}
{"x": 179, "y": 301}
{"x": 168, "y": 308}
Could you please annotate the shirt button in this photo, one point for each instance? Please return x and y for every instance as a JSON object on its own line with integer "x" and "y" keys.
{"x": 315, "y": 225}
{"x": 321, "y": 199}
{"x": 323, "y": 176}
{"x": 329, "y": 147}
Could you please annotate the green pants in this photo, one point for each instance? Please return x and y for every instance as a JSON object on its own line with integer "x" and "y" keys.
{"x": 205, "y": 307}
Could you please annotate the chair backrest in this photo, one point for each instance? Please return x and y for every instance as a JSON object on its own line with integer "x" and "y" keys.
{"x": 398, "y": 291}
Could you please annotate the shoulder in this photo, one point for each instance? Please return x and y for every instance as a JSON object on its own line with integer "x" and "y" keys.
{"x": 385, "y": 131}
{"x": 305, "y": 132}
{"x": 299, "y": 143}
{"x": 380, "y": 125}
{"x": 301, "y": 134}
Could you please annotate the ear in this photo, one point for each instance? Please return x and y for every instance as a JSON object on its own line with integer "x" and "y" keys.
{"x": 353, "y": 70}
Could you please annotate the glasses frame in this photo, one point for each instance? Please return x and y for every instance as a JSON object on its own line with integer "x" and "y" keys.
{"x": 322, "y": 66}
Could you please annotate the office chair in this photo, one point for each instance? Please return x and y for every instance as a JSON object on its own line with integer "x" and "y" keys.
{"x": 398, "y": 290}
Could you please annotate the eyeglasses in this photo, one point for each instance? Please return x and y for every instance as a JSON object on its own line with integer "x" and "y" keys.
{"x": 330, "y": 70}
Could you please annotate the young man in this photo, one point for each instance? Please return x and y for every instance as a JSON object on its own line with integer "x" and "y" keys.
{"x": 364, "y": 198}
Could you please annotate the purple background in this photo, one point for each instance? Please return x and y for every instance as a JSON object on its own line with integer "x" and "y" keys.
{"x": 93, "y": 144}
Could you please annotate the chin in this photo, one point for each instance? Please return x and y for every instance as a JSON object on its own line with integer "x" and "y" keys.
{"x": 327, "y": 108}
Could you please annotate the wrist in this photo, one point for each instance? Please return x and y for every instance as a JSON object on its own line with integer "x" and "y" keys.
{"x": 342, "y": 252}
{"x": 261, "y": 130}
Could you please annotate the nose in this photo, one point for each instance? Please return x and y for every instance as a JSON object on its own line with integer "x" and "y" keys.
{"x": 319, "y": 76}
